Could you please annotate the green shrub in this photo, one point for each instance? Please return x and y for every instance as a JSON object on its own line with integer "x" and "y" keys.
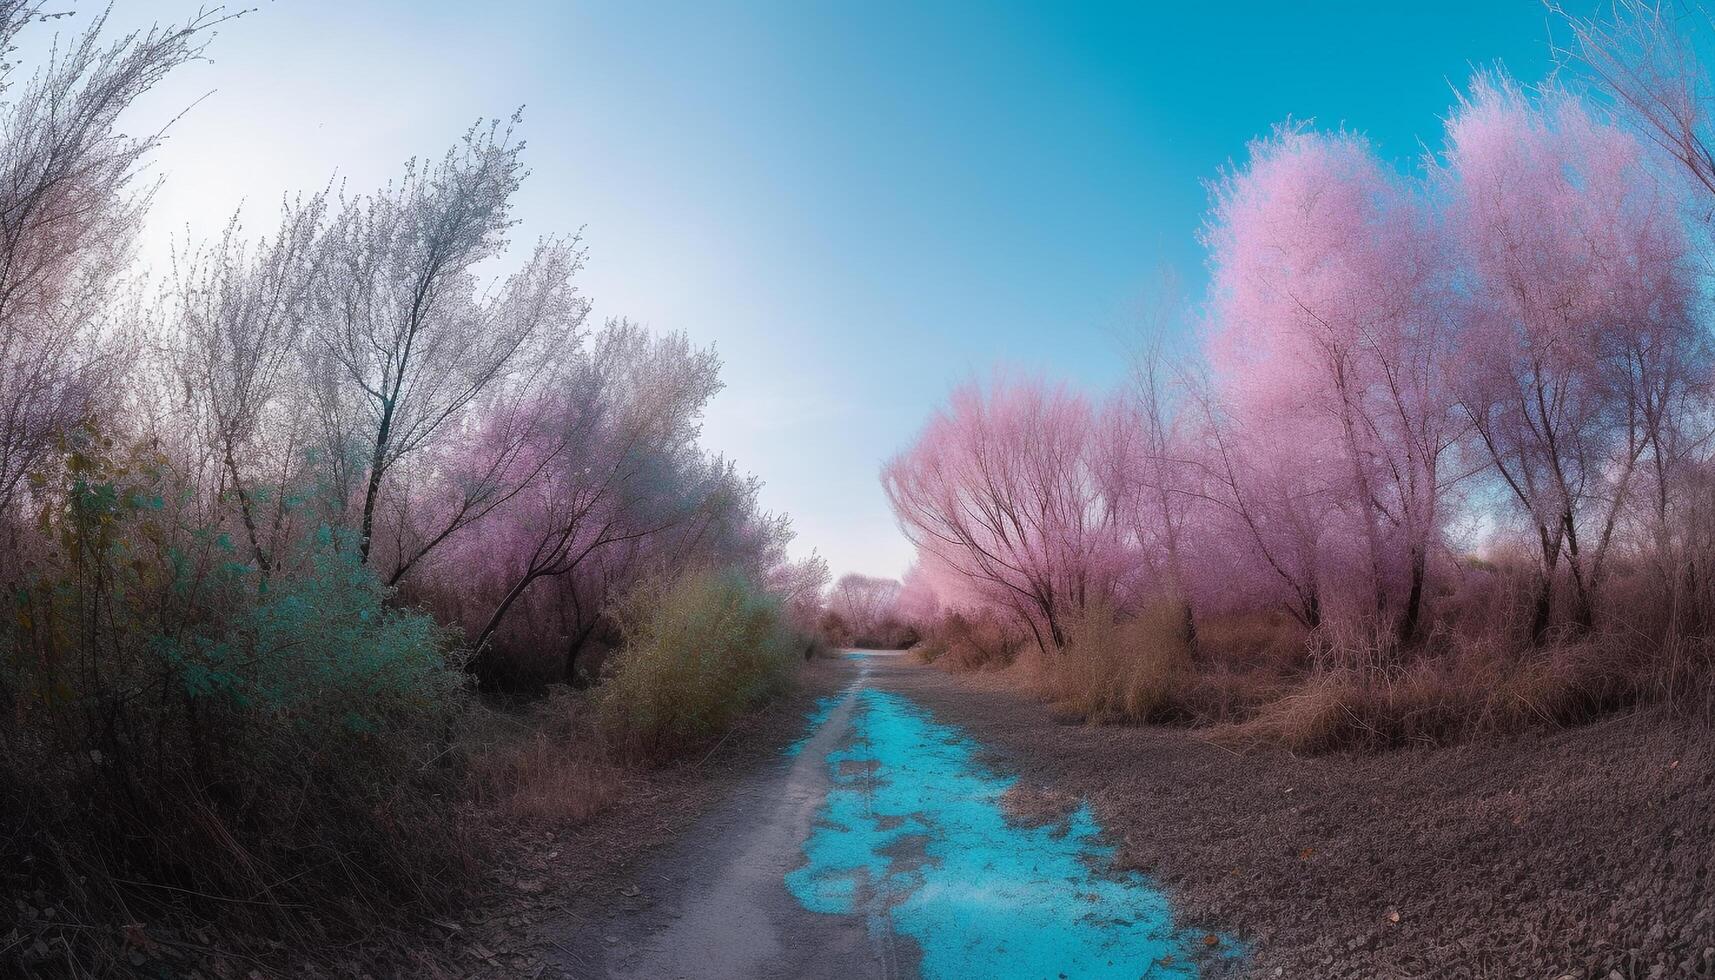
{"x": 700, "y": 651}
{"x": 815, "y": 646}
{"x": 193, "y": 737}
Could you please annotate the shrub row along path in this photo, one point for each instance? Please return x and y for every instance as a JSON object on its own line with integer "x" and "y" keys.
{"x": 938, "y": 826}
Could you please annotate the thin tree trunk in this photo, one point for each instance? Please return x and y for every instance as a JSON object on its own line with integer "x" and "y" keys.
{"x": 376, "y": 462}
{"x": 245, "y": 510}
{"x": 1545, "y": 592}
{"x": 1409, "y": 620}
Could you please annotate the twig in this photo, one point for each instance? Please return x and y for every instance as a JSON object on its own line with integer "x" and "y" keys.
{"x": 712, "y": 751}
{"x": 216, "y": 898}
{"x": 1205, "y": 740}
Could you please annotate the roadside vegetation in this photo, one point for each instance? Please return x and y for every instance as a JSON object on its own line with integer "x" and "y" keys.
{"x": 862, "y": 611}
{"x": 329, "y": 560}
{"x": 1438, "y": 460}
{"x": 323, "y": 557}
{"x": 699, "y": 651}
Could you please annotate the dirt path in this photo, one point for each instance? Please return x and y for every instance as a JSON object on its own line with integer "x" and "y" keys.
{"x": 724, "y": 910}
{"x": 888, "y": 844}
{"x": 947, "y": 826}
{"x": 714, "y": 904}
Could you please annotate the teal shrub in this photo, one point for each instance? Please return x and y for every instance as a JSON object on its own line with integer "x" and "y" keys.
{"x": 180, "y": 728}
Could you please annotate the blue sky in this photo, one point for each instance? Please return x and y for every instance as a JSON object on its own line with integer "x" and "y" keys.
{"x": 861, "y": 203}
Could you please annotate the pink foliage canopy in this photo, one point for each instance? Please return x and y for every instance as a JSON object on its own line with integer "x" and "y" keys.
{"x": 1385, "y": 353}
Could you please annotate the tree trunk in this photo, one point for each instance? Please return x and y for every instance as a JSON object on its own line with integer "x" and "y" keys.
{"x": 1545, "y": 594}
{"x": 249, "y": 517}
{"x": 1412, "y": 616}
{"x": 376, "y": 462}
{"x": 574, "y": 646}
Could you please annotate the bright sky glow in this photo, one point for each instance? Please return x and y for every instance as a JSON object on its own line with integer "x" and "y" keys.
{"x": 861, "y": 204}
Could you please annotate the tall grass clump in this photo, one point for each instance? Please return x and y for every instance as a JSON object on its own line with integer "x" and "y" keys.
{"x": 700, "y": 651}
{"x": 545, "y": 767}
{"x": 1472, "y": 686}
{"x": 1115, "y": 668}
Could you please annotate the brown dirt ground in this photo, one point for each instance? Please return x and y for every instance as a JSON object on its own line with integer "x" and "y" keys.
{"x": 1585, "y": 853}
{"x": 545, "y": 899}
{"x": 1579, "y": 853}
{"x": 549, "y": 896}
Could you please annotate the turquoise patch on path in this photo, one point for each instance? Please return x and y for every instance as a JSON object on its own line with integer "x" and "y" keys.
{"x": 913, "y": 835}
{"x": 816, "y": 718}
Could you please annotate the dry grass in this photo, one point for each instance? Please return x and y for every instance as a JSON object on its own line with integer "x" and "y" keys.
{"x": 961, "y": 643}
{"x": 1683, "y": 677}
{"x": 539, "y": 783}
{"x": 1144, "y": 669}
{"x": 548, "y": 772}
{"x": 1261, "y": 679}
{"x": 1220, "y": 693}
{"x": 1253, "y": 640}
{"x": 1441, "y": 699}
{"x": 928, "y": 651}
{"x": 1115, "y": 669}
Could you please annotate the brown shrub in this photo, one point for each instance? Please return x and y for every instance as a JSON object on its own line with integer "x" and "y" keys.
{"x": 1143, "y": 669}
{"x": 962, "y": 643}
{"x": 542, "y": 782}
{"x": 1252, "y": 640}
{"x": 1212, "y": 694}
{"x": 1682, "y": 675}
{"x": 929, "y": 650}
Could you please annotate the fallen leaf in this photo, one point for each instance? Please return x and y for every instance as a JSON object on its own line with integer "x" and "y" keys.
{"x": 135, "y": 936}
{"x": 1210, "y": 939}
{"x": 1393, "y": 915}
